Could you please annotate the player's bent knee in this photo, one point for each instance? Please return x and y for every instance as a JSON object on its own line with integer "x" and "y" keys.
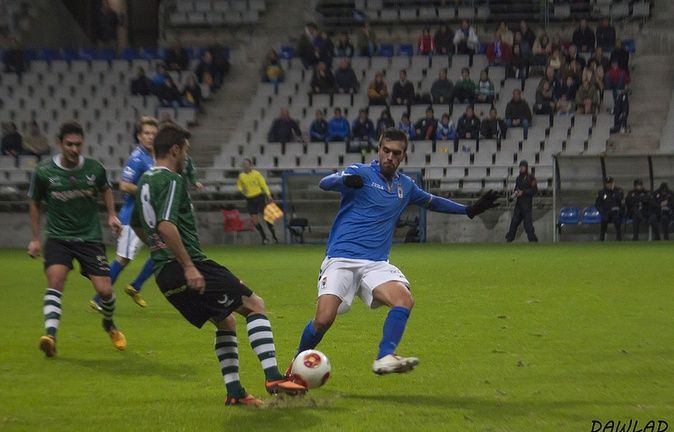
{"x": 254, "y": 304}
{"x": 227, "y": 324}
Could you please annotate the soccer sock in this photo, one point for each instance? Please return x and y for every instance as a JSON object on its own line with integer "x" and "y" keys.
{"x": 259, "y": 229}
{"x": 144, "y": 275}
{"x": 108, "y": 309}
{"x": 271, "y": 229}
{"x": 394, "y": 326}
{"x": 227, "y": 351}
{"x": 115, "y": 269}
{"x": 310, "y": 338}
{"x": 52, "y": 311}
{"x": 262, "y": 341}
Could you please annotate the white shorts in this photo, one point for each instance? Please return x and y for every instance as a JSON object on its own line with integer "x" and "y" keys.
{"x": 128, "y": 243}
{"x": 346, "y": 278}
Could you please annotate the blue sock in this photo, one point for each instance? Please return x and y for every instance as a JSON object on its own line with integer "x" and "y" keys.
{"x": 144, "y": 274}
{"x": 394, "y": 326}
{"x": 115, "y": 269}
{"x": 310, "y": 338}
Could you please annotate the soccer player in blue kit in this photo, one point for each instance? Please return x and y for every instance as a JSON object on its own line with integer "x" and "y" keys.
{"x": 128, "y": 243}
{"x": 356, "y": 263}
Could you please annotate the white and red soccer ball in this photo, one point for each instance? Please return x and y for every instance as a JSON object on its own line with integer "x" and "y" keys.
{"x": 310, "y": 368}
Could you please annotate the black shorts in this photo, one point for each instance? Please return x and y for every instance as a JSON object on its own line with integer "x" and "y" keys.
{"x": 91, "y": 256}
{"x": 256, "y": 204}
{"x": 222, "y": 295}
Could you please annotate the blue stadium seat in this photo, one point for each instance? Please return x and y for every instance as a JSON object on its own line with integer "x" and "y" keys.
{"x": 88, "y": 54}
{"x": 630, "y": 45}
{"x": 129, "y": 54}
{"x": 70, "y": 54}
{"x": 385, "y": 50}
{"x": 29, "y": 55}
{"x": 569, "y": 216}
{"x": 591, "y": 216}
{"x": 148, "y": 53}
{"x": 50, "y": 54}
{"x": 287, "y": 52}
{"x": 106, "y": 54}
{"x": 406, "y": 50}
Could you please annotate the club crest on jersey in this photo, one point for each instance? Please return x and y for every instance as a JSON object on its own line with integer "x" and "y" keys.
{"x": 400, "y": 191}
{"x": 55, "y": 180}
{"x": 91, "y": 179}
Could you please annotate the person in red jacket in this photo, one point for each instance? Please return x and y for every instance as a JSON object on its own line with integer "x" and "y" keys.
{"x": 498, "y": 52}
{"x": 426, "y": 45}
{"x": 615, "y": 79}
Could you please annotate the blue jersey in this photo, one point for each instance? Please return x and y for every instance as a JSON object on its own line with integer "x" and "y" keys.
{"x": 367, "y": 217}
{"x": 138, "y": 162}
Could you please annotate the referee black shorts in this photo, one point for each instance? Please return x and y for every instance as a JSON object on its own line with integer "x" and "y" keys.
{"x": 256, "y": 204}
{"x": 91, "y": 256}
{"x": 222, "y": 296}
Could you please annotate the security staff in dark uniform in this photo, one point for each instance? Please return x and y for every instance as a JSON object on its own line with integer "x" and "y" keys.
{"x": 661, "y": 211}
{"x": 609, "y": 203}
{"x": 525, "y": 189}
{"x": 636, "y": 207}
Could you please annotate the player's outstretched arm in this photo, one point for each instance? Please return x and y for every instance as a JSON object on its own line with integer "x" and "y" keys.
{"x": 484, "y": 203}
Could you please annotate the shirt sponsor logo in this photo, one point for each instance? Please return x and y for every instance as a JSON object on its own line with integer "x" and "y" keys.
{"x": 72, "y": 194}
{"x": 377, "y": 186}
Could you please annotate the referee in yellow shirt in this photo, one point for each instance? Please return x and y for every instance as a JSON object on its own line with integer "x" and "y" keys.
{"x": 253, "y": 186}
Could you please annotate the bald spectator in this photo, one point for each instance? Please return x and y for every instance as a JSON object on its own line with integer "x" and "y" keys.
{"x": 518, "y": 113}
{"x": 583, "y": 37}
{"x": 605, "y": 35}
{"x": 176, "y": 58}
{"x": 284, "y": 129}
{"x": 35, "y": 143}
{"x": 345, "y": 78}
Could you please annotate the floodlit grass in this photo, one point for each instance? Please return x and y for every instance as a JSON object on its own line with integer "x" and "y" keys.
{"x": 511, "y": 338}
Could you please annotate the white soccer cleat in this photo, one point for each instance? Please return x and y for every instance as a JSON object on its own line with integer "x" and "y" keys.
{"x": 394, "y": 364}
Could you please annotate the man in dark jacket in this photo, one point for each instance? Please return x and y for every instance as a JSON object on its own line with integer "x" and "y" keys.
{"x": 425, "y": 128}
{"x": 605, "y": 35}
{"x": 322, "y": 82}
{"x": 518, "y": 113}
{"x": 583, "y": 37}
{"x": 442, "y": 88}
{"x": 493, "y": 127}
{"x": 345, "y": 78}
{"x": 661, "y": 211}
{"x": 609, "y": 203}
{"x": 636, "y": 207}
{"x": 176, "y": 57}
{"x": 284, "y": 129}
{"x": 362, "y": 131}
{"x": 468, "y": 126}
{"x": 526, "y": 187}
{"x": 620, "y": 55}
{"x": 403, "y": 91}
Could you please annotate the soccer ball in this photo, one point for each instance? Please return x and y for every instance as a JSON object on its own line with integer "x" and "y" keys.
{"x": 310, "y": 368}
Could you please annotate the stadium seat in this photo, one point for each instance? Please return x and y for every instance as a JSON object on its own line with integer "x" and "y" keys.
{"x": 591, "y": 216}
{"x": 569, "y": 216}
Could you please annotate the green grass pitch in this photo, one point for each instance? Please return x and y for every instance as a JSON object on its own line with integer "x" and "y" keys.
{"x": 510, "y": 337}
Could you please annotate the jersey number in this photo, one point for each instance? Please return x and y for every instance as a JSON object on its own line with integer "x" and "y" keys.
{"x": 148, "y": 212}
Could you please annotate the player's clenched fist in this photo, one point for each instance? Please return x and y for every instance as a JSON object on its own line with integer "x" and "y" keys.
{"x": 195, "y": 279}
{"x": 34, "y": 248}
{"x": 115, "y": 225}
{"x": 353, "y": 181}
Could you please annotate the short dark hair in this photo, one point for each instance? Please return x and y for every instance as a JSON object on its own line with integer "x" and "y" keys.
{"x": 393, "y": 134}
{"x": 169, "y": 134}
{"x": 70, "y": 127}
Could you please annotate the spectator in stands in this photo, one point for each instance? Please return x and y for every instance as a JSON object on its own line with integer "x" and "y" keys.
{"x": 35, "y": 143}
{"x": 636, "y": 207}
{"x": 284, "y": 129}
{"x": 518, "y": 113}
{"x": 493, "y": 127}
{"x": 377, "y": 92}
{"x": 445, "y": 130}
{"x": 552, "y": 80}
{"x": 587, "y": 98}
{"x": 305, "y": 48}
{"x": 326, "y": 49}
{"x": 322, "y": 82}
{"x": 557, "y": 61}
{"x": 425, "y": 128}
{"x": 615, "y": 79}
{"x": 601, "y": 60}
{"x": 192, "y": 93}
{"x": 442, "y": 88}
{"x": 426, "y": 44}
{"x": 468, "y": 126}
{"x": 525, "y": 46}
{"x": 573, "y": 70}
{"x": 168, "y": 94}
{"x": 385, "y": 122}
{"x": 526, "y": 186}
{"x": 318, "y": 130}
{"x": 485, "y": 88}
{"x": 567, "y": 96}
{"x": 344, "y": 47}
{"x": 159, "y": 75}
{"x": 505, "y": 33}
{"x": 464, "y": 89}
{"x": 621, "y": 55}
{"x": 367, "y": 41}
{"x": 517, "y": 66}
{"x": 11, "y": 141}
{"x": 141, "y": 85}
{"x": 345, "y": 78}
{"x": 609, "y": 203}
{"x": 662, "y": 201}
{"x": 105, "y": 28}
{"x": 406, "y": 126}
{"x": 498, "y": 52}
{"x": 220, "y": 55}
{"x": 338, "y": 128}
{"x": 465, "y": 39}
{"x": 176, "y": 58}
{"x": 403, "y": 91}
{"x": 443, "y": 40}
{"x": 362, "y": 132}
{"x": 605, "y": 35}
{"x": 545, "y": 103}
{"x": 271, "y": 70}
{"x": 541, "y": 50}
{"x": 583, "y": 37}
{"x": 207, "y": 73}
{"x": 573, "y": 55}
{"x": 13, "y": 58}
{"x": 527, "y": 34}
{"x": 564, "y": 105}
